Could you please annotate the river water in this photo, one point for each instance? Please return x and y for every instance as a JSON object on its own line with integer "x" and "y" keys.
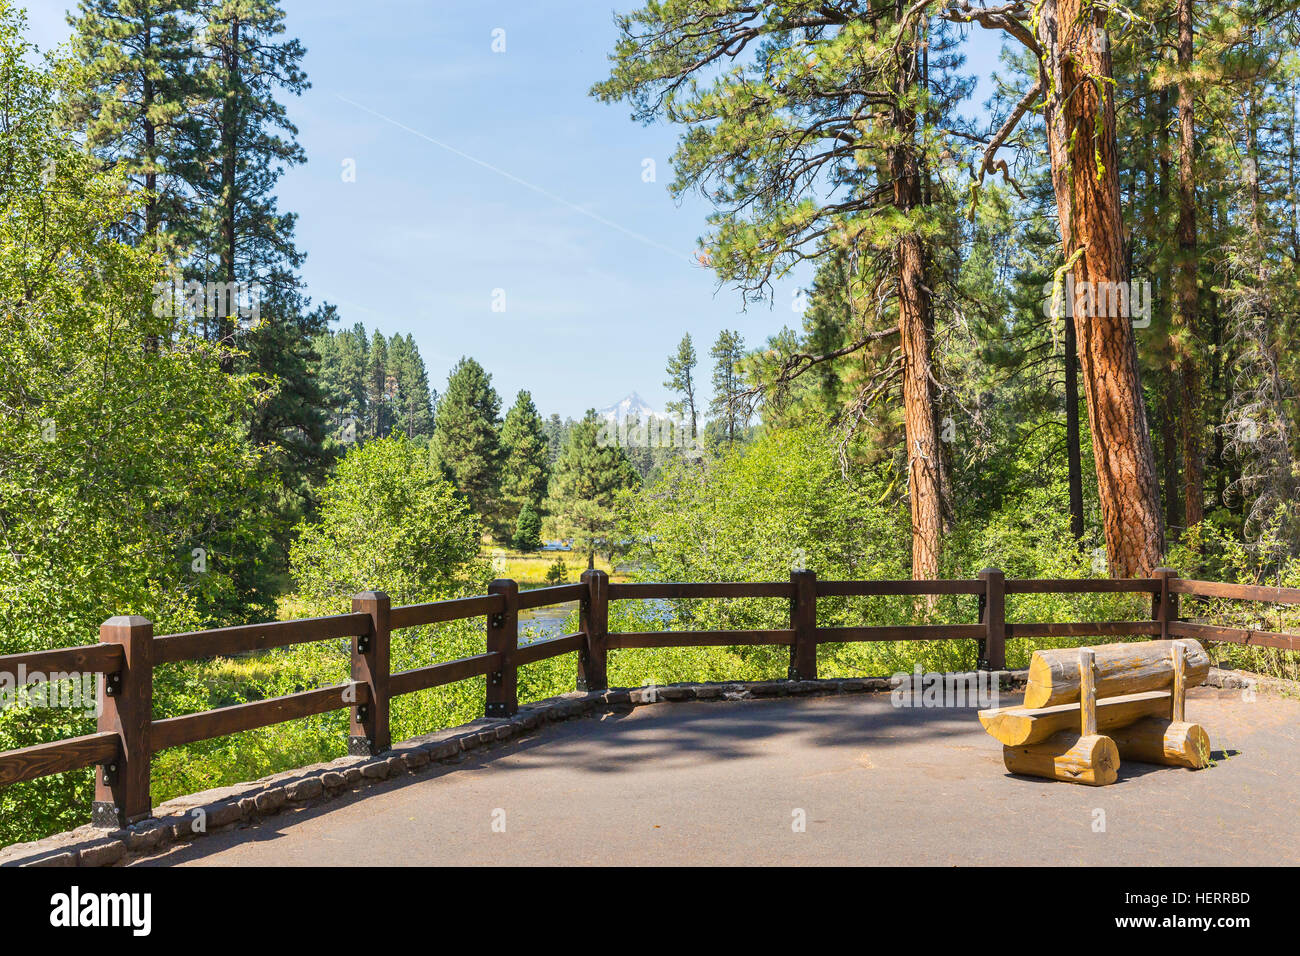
{"x": 541, "y": 623}
{"x": 538, "y": 623}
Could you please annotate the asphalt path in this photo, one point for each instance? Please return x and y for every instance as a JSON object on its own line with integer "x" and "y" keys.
{"x": 848, "y": 779}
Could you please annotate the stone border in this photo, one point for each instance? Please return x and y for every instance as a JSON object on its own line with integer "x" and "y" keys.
{"x": 1278, "y": 686}
{"x": 178, "y": 820}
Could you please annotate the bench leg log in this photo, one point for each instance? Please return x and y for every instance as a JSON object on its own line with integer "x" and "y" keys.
{"x": 1174, "y": 743}
{"x": 1091, "y": 760}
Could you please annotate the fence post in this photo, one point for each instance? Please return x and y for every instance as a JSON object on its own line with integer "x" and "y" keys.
{"x": 1164, "y": 603}
{"x": 593, "y": 618}
{"x": 992, "y": 655}
{"x": 803, "y": 621}
{"x": 369, "y": 734}
{"x": 503, "y": 639}
{"x": 126, "y": 709}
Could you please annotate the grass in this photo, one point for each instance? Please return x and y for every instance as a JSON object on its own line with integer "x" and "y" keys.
{"x": 530, "y": 568}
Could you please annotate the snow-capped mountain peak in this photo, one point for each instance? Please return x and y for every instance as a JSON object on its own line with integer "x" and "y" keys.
{"x": 633, "y": 406}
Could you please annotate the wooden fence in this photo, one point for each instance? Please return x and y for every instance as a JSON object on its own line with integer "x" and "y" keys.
{"x": 127, "y": 735}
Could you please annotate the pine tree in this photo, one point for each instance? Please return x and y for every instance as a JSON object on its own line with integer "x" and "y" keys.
{"x": 1077, "y": 84}
{"x": 216, "y": 154}
{"x": 181, "y": 94}
{"x": 556, "y": 432}
{"x": 354, "y": 359}
{"x": 588, "y": 478}
{"x": 374, "y": 386}
{"x": 1256, "y": 154}
{"x": 681, "y": 379}
{"x": 245, "y": 241}
{"x": 412, "y": 400}
{"x": 823, "y": 141}
{"x": 466, "y": 441}
{"x": 114, "y": 465}
{"x": 244, "y": 63}
{"x": 130, "y": 95}
{"x": 528, "y": 529}
{"x": 526, "y": 466}
{"x": 727, "y": 406}
{"x": 342, "y": 375}
{"x": 379, "y": 388}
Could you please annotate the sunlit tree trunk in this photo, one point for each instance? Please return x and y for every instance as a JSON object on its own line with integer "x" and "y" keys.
{"x": 926, "y": 469}
{"x": 1080, "y": 120}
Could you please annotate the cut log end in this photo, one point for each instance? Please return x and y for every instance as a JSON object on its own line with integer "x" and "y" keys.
{"x": 1091, "y": 760}
{"x": 1172, "y": 743}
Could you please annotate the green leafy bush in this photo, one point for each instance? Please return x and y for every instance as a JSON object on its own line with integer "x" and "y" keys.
{"x": 388, "y": 522}
{"x": 785, "y": 502}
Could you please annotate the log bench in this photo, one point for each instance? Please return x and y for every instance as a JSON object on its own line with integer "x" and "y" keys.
{"x": 1086, "y": 709}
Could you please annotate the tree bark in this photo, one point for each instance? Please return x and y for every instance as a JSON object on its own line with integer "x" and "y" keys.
{"x": 926, "y": 468}
{"x": 1080, "y": 120}
{"x": 1188, "y": 313}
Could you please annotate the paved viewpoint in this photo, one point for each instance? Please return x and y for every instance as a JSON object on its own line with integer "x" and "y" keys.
{"x": 727, "y": 783}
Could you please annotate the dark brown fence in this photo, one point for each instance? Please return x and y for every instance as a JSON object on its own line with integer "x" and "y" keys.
{"x": 128, "y": 736}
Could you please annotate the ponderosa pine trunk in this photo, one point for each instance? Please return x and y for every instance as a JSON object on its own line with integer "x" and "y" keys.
{"x": 926, "y": 468}
{"x": 1080, "y": 120}
{"x": 925, "y": 465}
{"x": 1188, "y": 314}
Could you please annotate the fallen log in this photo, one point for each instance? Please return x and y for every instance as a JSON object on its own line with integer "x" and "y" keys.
{"x": 1066, "y": 756}
{"x": 1121, "y": 669}
{"x": 1174, "y": 743}
{"x": 1014, "y": 726}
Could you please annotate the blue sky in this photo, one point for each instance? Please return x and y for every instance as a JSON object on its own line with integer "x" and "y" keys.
{"x": 479, "y": 171}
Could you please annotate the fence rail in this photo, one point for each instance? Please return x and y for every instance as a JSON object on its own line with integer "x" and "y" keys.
{"x": 225, "y": 641}
{"x": 128, "y": 736}
{"x": 1245, "y": 592}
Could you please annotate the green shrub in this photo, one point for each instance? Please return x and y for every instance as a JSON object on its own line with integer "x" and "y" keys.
{"x": 388, "y": 522}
